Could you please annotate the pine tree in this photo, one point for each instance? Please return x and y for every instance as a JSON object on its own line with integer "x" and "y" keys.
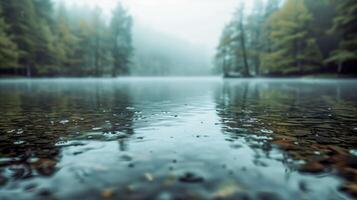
{"x": 8, "y": 49}
{"x": 83, "y": 50}
{"x": 122, "y": 49}
{"x": 66, "y": 44}
{"x": 20, "y": 15}
{"x": 345, "y": 22}
{"x": 45, "y": 51}
{"x": 233, "y": 48}
{"x": 294, "y": 50}
{"x": 225, "y": 58}
{"x": 254, "y": 28}
{"x": 31, "y": 32}
{"x": 97, "y": 37}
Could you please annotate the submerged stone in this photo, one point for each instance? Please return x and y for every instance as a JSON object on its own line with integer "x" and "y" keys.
{"x": 3, "y": 180}
{"x": 325, "y": 140}
{"x": 301, "y": 133}
{"x": 190, "y": 177}
{"x": 264, "y": 195}
{"x": 108, "y": 193}
{"x": 312, "y": 167}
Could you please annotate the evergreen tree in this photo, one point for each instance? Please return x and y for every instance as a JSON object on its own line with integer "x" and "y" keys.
{"x": 271, "y": 7}
{"x": 345, "y": 22}
{"x": 97, "y": 34}
{"x": 294, "y": 50}
{"x": 255, "y": 23}
{"x": 233, "y": 47}
{"x": 29, "y": 25}
{"x": 21, "y": 16}
{"x": 45, "y": 52}
{"x": 122, "y": 49}
{"x": 83, "y": 50}
{"x": 242, "y": 38}
{"x": 66, "y": 44}
{"x": 323, "y": 12}
{"x": 8, "y": 49}
{"x": 226, "y": 58}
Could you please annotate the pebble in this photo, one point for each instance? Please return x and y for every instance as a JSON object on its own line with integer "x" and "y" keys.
{"x": 149, "y": 177}
{"x": 268, "y": 196}
{"x": 312, "y": 167}
{"x": 126, "y": 158}
{"x": 301, "y": 133}
{"x": 189, "y": 177}
{"x": 108, "y": 193}
{"x": 3, "y": 180}
{"x": 225, "y": 192}
{"x": 325, "y": 140}
{"x": 45, "y": 192}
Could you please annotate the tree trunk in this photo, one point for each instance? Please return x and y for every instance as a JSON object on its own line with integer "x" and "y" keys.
{"x": 96, "y": 56}
{"x": 340, "y": 67}
{"x": 242, "y": 41}
{"x": 28, "y": 70}
{"x": 257, "y": 67}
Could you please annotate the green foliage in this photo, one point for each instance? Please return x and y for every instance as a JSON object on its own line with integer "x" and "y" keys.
{"x": 345, "y": 22}
{"x": 245, "y": 39}
{"x": 20, "y": 15}
{"x": 8, "y": 49}
{"x": 291, "y": 38}
{"x": 323, "y": 13}
{"x": 40, "y": 40}
{"x": 294, "y": 50}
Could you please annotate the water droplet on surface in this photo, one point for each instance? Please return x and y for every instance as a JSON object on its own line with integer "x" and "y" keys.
{"x": 65, "y": 121}
{"x": 353, "y": 152}
{"x": 19, "y": 142}
{"x": 19, "y": 131}
{"x": 317, "y": 153}
{"x": 266, "y": 131}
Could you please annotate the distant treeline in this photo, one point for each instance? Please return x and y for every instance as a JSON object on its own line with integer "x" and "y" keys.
{"x": 38, "y": 38}
{"x": 291, "y": 37}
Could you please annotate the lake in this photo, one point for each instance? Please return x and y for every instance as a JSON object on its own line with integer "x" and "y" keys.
{"x": 178, "y": 138}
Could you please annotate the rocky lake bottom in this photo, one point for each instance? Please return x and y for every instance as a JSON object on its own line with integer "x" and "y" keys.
{"x": 178, "y": 138}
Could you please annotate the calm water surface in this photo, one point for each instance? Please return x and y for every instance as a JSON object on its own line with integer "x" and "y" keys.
{"x": 194, "y": 138}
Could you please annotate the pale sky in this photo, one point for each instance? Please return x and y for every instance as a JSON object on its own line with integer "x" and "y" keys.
{"x": 197, "y": 21}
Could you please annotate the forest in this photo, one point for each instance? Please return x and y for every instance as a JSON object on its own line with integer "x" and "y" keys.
{"x": 290, "y": 38}
{"x": 47, "y": 38}
{"x": 38, "y": 38}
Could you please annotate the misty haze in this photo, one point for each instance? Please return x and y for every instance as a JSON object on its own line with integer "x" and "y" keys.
{"x": 178, "y": 99}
